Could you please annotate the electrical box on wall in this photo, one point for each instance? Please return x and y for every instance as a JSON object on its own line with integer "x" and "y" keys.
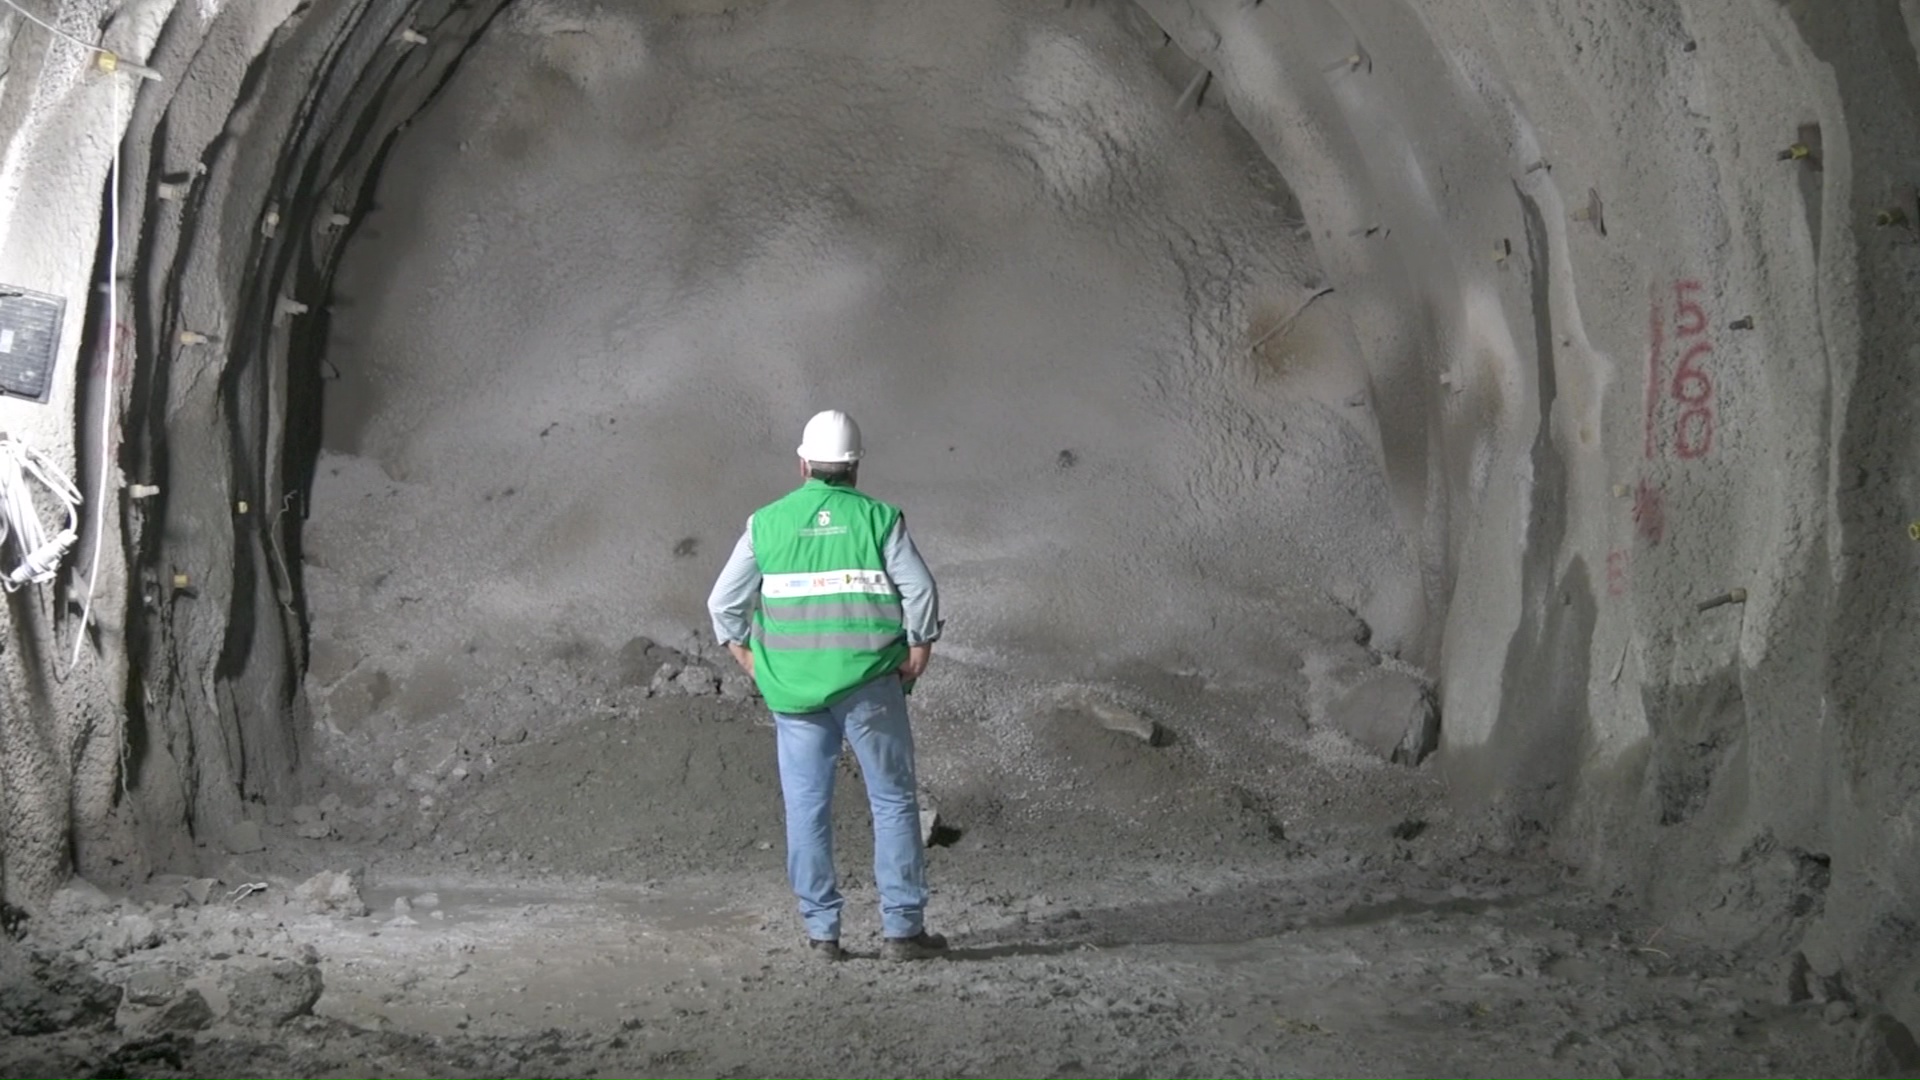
{"x": 29, "y": 341}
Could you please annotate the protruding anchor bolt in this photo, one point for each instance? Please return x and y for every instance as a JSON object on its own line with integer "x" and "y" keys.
{"x": 111, "y": 62}
{"x": 1538, "y": 166}
{"x": 1731, "y": 596}
{"x": 1357, "y": 60}
{"x": 270, "y": 223}
{"x": 338, "y": 221}
{"x": 142, "y": 491}
{"x": 289, "y": 306}
{"x": 1797, "y": 152}
{"x": 1196, "y": 91}
{"x": 1745, "y": 322}
{"x": 410, "y": 36}
{"x": 1502, "y": 250}
{"x": 167, "y": 192}
{"x": 1892, "y": 215}
{"x": 1595, "y": 212}
{"x": 194, "y": 337}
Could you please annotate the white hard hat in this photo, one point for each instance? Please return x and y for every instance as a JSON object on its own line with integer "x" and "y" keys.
{"x": 831, "y": 436}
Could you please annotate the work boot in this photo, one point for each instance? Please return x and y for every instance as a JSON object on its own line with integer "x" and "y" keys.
{"x": 824, "y": 951}
{"x": 920, "y": 946}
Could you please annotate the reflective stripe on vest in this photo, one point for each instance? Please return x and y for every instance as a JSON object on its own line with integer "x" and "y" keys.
{"x": 889, "y": 610}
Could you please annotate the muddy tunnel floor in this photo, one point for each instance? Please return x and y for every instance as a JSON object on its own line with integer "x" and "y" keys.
{"x": 532, "y": 905}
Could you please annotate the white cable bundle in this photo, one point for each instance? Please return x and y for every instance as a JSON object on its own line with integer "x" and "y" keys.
{"x": 20, "y": 514}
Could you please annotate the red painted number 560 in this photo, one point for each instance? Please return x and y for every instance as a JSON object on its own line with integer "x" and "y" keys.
{"x": 1692, "y": 387}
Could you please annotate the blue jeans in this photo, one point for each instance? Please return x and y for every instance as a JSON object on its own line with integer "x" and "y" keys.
{"x": 873, "y": 719}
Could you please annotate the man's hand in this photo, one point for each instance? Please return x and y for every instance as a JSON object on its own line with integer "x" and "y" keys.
{"x": 915, "y": 665}
{"x": 742, "y": 656}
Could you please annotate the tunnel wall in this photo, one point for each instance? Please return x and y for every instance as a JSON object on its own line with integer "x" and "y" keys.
{"x": 61, "y": 724}
{"x": 1587, "y": 448}
{"x": 1746, "y": 770}
{"x": 183, "y": 717}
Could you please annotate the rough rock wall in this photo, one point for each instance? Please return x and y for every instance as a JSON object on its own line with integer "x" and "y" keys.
{"x": 1549, "y": 223}
{"x": 1015, "y": 254}
{"x": 223, "y": 644}
{"x": 61, "y": 724}
{"x": 266, "y": 123}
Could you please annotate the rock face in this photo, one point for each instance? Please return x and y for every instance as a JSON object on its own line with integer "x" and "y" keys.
{"x": 1390, "y": 713}
{"x": 929, "y": 818}
{"x": 272, "y": 994}
{"x": 1127, "y": 722}
{"x": 698, "y": 680}
{"x": 79, "y": 897}
{"x": 128, "y": 934}
{"x": 736, "y": 685}
{"x": 663, "y": 678}
{"x": 333, "y": 892}
{"x": 46, "y": 994}
{"x": 1886, "y": 1048}
{"x": 1112, "y": 716}
{"x": 188, "y": 1012}
{"x": 151, "y": 986}
{"x": 245, "y": 838}
{"x": 669, "y": 671}
{"x": 642, "y": 657}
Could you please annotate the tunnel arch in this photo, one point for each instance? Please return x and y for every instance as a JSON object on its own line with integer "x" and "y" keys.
{"x": 1520, "y": 295}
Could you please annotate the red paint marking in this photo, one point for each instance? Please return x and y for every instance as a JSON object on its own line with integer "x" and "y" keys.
{"x": 1692, "y": 385}
{"x": 1616, "y": 572}
{"x": 1656, "y": 330}
{"x": 1693, "y": 440}
{"x": 1688, "y": 316}
{"x": 1649, "y": 513}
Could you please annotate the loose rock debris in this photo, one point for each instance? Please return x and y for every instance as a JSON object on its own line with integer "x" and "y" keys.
{"x": 1127, "y": 722}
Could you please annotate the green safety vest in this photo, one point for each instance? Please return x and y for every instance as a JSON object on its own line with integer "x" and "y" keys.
{"x": 830, "y": 618}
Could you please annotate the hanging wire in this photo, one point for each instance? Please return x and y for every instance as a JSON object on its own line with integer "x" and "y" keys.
{"x": 52, "y": 29}
{"x": 107, "y": 388}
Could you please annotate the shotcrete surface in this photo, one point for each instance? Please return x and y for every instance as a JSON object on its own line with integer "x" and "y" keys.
{"x": 610, "y": 273}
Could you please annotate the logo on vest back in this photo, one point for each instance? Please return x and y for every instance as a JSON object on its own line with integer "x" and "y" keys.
{"x": 823, "y": 525}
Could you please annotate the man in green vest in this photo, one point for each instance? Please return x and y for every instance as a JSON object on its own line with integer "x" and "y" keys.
{"x": 846, "y": 621}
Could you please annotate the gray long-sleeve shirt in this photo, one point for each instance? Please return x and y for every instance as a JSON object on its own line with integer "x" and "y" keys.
{"x": 734, "y": 594}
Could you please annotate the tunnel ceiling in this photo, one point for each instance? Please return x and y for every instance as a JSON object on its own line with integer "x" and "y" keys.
{"x": 1631, "y": 284}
